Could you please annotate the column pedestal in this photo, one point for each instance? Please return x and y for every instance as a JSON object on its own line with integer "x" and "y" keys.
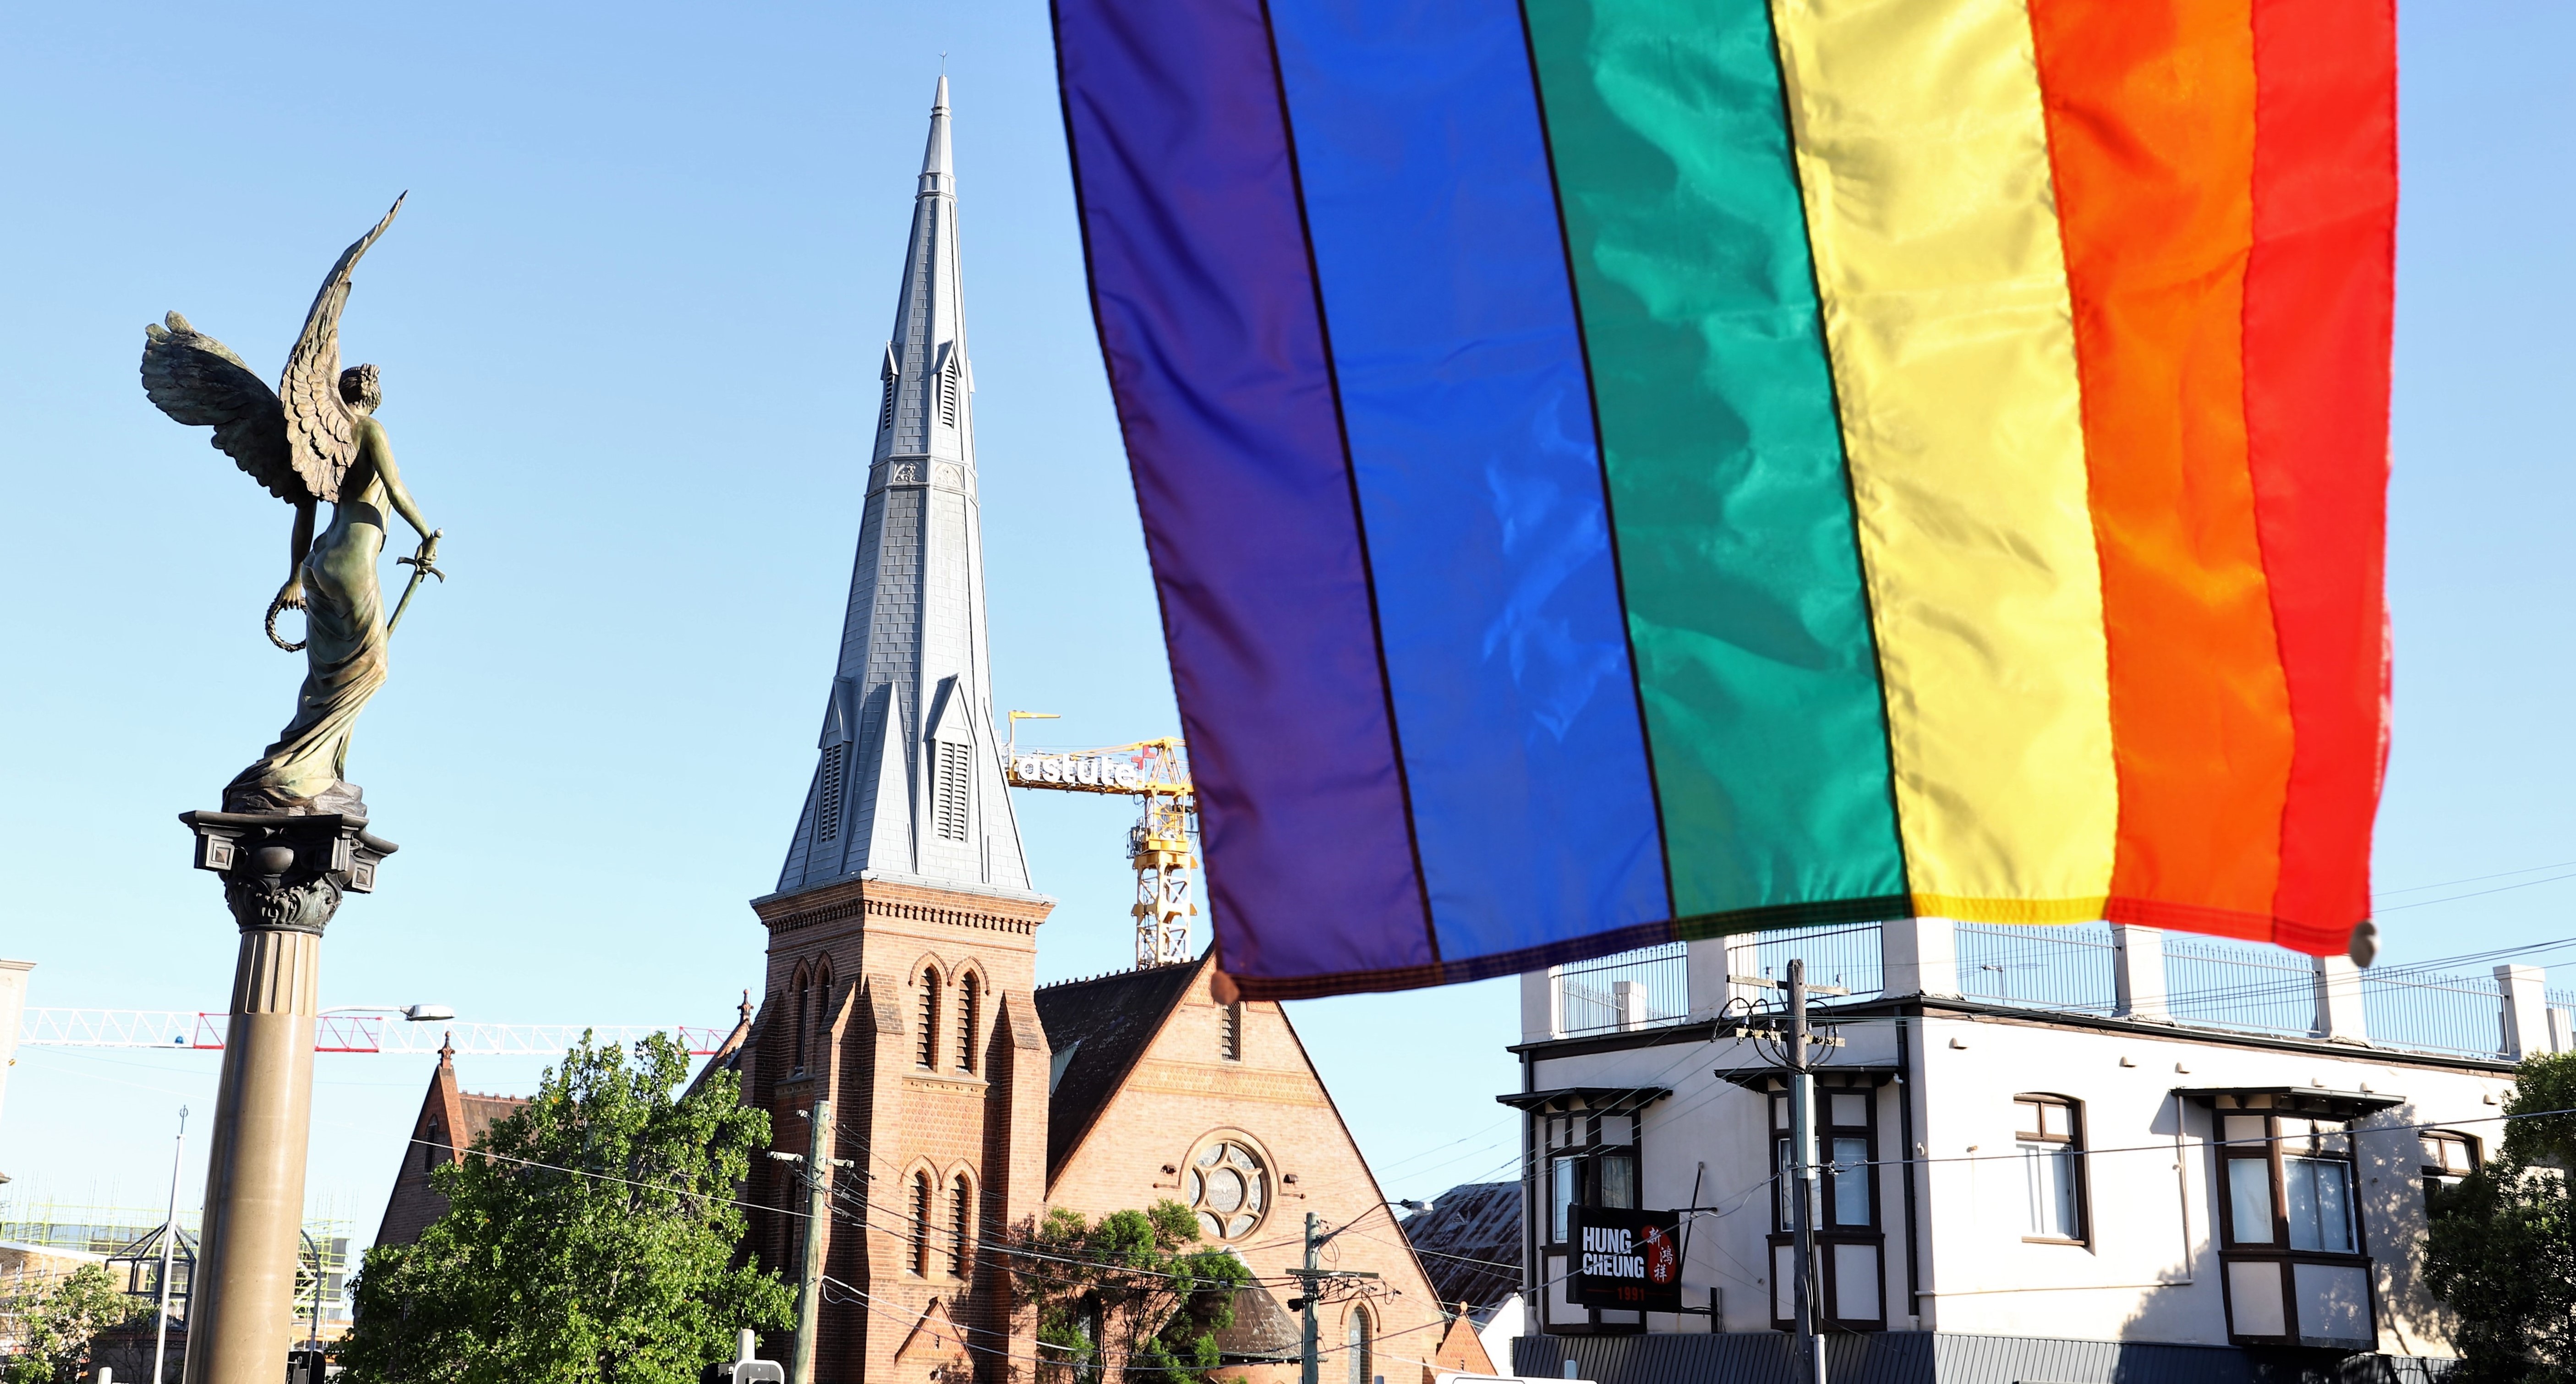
{"x": 283, "y": 878}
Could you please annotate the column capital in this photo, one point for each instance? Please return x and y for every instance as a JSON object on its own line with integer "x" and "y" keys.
{"x": 287, "y": 871}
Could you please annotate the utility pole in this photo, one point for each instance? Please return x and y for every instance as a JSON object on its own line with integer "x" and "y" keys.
{"x": 1310, "y": 1286}
{"x": 1802, "y": 1154}
{"x": 1308, "y": 1369}
{"x": 169, "y": 1244}
{"x": 818, "y": 1213}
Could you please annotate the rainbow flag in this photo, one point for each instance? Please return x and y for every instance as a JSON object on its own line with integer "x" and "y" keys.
{"x": 1619, "y": 470}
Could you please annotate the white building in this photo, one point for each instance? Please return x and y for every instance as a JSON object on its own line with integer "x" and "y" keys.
{"x": 2070, "y": 1154}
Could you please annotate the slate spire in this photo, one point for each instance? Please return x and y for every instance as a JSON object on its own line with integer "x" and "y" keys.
{"x": 907, "y": 782}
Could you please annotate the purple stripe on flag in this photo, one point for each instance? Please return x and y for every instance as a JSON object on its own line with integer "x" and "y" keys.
{"x": 1205, "y": 299}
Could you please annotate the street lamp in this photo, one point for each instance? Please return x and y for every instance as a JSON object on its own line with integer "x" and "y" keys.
{"x": 412, "y": 1013}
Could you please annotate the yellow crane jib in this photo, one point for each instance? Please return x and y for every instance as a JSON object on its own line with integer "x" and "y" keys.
{"x": 1158, "y": 846}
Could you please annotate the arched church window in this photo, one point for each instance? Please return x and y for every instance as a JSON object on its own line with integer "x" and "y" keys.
{"x": 927, "y": 1051}
{"x": 1359, "y": 1344}
{"x": 803, "y": 985}
{"x": 969, "y": 997}
{"x": 961, "y": 1224}
{"x": 820, "y": 1050}
{"x": 1229, "y": 1187}
{"x": 921, "y": 1223}
{"x": 1229, "y": 1032}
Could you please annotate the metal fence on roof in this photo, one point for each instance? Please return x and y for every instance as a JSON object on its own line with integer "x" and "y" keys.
{"x": 2072, "y": 968}
{"x": 1630, "y": 990}
{"x": 2056, "y": 966}
{"x": 2430, "y": 1013}
{"x": 2235, "y": 985}
{"x": 1851, "y": 958}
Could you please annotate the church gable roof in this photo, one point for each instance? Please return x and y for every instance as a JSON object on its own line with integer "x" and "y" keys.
{"x": 450, "y": 1120}
{"x": 1098, "y": 1028}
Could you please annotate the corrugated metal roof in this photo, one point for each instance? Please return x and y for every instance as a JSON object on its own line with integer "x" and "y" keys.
{"x": 1469, "y": 1243}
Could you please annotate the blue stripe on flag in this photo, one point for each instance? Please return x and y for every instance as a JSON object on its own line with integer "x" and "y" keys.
{"x": 1453, "y": 336}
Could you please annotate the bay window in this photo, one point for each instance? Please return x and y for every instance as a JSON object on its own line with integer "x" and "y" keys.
{"x": 1850, "y": 1269}
{"x": 2291, "y": 1243}
{"x": 1584, "y": 1150}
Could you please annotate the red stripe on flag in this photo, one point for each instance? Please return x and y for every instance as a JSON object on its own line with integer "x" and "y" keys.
{"x": 2318, "y": 317}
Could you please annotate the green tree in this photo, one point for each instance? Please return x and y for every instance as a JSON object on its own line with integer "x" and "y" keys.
{"x": 2502, "y": 1252}
{"x": 55, "y": 1327}
{"x": 1133, "y": 1292}
{"x": 590, "y": 1236}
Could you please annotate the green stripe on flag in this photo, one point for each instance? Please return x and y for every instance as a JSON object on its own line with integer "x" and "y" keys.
{"x": 1731, "y": 508}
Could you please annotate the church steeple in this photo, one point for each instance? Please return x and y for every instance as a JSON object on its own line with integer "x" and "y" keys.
{"x": 908, "y": 782}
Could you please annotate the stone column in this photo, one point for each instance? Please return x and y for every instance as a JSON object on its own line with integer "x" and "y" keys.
{"x": 283, "y": 879}
{"x": 1628, "y": 997}
{"x": 1920, "y": 956}
{"x": 2526, "y": 1010}
{"x": 1538, "y": 1005}
{"x": 13, "y": 1004}
{"x": 2339, "y": 1000}
{"x": 1704, "y": 971}
{"x": 2138, "y": 971}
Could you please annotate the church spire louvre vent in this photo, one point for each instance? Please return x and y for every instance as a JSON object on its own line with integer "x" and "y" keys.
{"x": 906, "y": 784}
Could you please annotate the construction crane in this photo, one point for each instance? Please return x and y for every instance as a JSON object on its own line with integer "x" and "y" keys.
{"x": 188, "y": 1030}
{"x": 1157, "y": 774}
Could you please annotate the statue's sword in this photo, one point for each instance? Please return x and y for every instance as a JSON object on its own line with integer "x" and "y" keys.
{"x": 424, "y": 565}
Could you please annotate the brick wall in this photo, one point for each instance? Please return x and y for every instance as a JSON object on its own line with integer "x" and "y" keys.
{"x": 904, "y": 1314}
{"x": 1182, "y": 1095}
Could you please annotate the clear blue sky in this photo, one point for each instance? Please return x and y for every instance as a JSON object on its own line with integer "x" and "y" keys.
{"x": 628, "y": 324}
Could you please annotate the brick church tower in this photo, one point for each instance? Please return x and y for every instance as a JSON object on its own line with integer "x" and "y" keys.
{"x": 903, "y": 932}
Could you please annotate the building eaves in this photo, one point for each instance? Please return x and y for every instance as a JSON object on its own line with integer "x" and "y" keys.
{"x": 1935, "y": 1006}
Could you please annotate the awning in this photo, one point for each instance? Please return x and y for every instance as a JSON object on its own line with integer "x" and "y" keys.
{"x": 1596, "y": 1100}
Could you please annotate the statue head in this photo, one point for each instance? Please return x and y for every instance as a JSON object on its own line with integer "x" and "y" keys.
{"x": 359, "y": 389}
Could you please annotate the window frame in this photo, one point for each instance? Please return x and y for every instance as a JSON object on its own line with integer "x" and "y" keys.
{"x": 970, "y": 1019}
{"x": 1585, "y": 1165}
{"x": 1574, "y": 1137}
{"x": 961, "y": 1216}
{"x": 1229, "y": 1032}
{"x": 1830, "y": 1234}
{"x": 2070, "y": 1143}
{"x": 2270, "y": 1150}
{"x": 1267, "y": 1187}
{"x": 2437, "y": 1175}
{"x": 801, "y": 982}
{"x": 924, "y": 1199}
{"x": 1359, "y": 1342}
{"x": 925, "y": 1055}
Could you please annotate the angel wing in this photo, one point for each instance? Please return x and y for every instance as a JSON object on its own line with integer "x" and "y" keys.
{"x": 198, "y": 381}
{"x": 322, "y": 431}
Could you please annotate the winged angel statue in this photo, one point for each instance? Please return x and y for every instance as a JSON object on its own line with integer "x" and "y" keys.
{"x": 320, "y": 443}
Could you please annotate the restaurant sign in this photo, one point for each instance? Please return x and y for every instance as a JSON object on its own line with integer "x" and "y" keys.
{"x": 1628, "y": 1259}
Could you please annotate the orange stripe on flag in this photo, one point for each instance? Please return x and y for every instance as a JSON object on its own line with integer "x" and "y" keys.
{"x": 2150, "y": 109}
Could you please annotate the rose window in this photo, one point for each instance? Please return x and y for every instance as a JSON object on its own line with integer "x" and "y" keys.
{"x": 1228, "y": 1188}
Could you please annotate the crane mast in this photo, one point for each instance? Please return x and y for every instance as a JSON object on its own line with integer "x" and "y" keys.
{"x": 1159, "y": 847}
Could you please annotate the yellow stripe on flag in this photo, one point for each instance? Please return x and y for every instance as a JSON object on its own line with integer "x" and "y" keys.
{"x": 1924, "y": 161}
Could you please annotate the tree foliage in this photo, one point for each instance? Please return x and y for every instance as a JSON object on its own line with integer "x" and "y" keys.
{"x": 590, "y": 1236}
{"x": 2502, "y": 1252}
{"x": 1132, "y": 1295}
{"x": 55, "y": 1326}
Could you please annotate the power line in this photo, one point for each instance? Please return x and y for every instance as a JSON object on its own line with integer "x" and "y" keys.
{"x": 2473, "y": 879}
